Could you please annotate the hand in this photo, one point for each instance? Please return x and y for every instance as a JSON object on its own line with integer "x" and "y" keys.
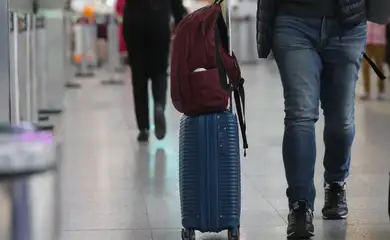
{"x": 119, "y": 19}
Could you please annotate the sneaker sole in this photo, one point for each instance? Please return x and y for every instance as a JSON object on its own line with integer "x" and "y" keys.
{"x": 160, "y": 124}
{"x": 338, "y": 217}
{"x": 300, "y": 235}
{"x": 143, "y": 140}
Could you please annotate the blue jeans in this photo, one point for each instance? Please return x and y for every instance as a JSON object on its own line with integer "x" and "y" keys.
{"x": 318, "y": 62}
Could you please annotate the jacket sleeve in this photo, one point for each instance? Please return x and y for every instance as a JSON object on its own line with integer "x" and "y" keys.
{"x": 266, "y": 14}
{"x": 178, "y": 10}
{"x": 120, "y": 4}
{"x": 388, "y": 44}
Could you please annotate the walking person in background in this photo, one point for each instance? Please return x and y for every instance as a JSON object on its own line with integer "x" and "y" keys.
{"x": 101, "y": 44}
{"x": 120, "y": 4}
{"x": 376, "y": 50}
{"x": 147, "y": 33}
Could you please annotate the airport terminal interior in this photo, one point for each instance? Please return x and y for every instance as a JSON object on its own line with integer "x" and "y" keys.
{"x": 115, "y": 188}
{"x": 112, "y": 187}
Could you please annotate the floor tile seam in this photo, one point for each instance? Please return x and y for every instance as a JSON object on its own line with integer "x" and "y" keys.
{"x": 350, "y": 225}
{"x": 125, "y": 119}
{"x": 127, "y": 124}
{"x": 147, "y": 212}
{"x": 106, "y": 229}
{"x": 263, "y": 196}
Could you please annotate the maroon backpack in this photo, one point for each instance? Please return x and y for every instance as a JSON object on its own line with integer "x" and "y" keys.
{"x": 203, "y": 73}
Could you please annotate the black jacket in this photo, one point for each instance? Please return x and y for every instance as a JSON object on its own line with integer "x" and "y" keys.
{"x": 350, "y": 13}
{"x": 158, "y": 9}
{"x": 388, "y": 44}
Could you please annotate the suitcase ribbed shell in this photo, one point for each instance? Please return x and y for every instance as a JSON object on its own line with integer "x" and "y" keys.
{"x": 210, "y": 180}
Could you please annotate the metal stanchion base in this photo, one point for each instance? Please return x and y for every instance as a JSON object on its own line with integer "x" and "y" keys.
{"x": 120, "y": 69}
{"x": 86, "y": 75}
{"x": 45, "y": 128}
{"x": 49, "y": 111}
{"x": 113, "y": 82}
{"x": 43, "y": 118}
{"x": 92, "y": 66}
{"x": 72, "y": 85}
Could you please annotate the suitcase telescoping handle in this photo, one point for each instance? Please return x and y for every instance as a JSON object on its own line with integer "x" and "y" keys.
{"x": 228, "y": 21}
{"x": 237, "y": 91}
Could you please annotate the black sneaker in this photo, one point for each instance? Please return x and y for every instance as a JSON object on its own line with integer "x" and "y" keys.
{"x": 335, "y": 206}
{"x": 300, "y": 221}
{"x": 143, "y": 136}
{"x": 159, "y": 122}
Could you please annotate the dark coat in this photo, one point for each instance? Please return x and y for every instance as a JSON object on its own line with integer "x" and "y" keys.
{"x": 388, "y": 44}
{"x": 350, "y": 13}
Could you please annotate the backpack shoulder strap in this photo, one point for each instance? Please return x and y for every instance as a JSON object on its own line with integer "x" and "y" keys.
{"x": 239, "y": 100}
{"x": 237, "y": 87}
{"x": 375, "y": 67}
{"x": 220, "y": 65}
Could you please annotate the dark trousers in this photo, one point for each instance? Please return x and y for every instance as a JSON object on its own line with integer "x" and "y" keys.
{"x": 147, "y": 38}
{"x": 388, "y": 44}
{"x": 317, "y": 65}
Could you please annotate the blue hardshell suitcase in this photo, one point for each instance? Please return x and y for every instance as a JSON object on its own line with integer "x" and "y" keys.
{"x": 210, "y": 180}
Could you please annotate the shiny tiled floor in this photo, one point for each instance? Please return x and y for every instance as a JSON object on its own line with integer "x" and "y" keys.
{"x": 116, "y": 189}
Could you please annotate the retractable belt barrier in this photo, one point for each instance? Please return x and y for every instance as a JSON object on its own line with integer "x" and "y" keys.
{"x": 16, "y": 25}
{"x": 243, "y": 28}
{"x": 42, "y": 85}
{"x": 85, "y": 47}
{"x": 20, "y": 56}
{"x": 50, "y": 41}
{"x": 114, "y": 67}
{"x": 29, "y": 180}
{"x": 244, "y": 39}
{"x": 69, "y": 53}
{"x": 37, "y": 81}
{"x": 84, "y": 51}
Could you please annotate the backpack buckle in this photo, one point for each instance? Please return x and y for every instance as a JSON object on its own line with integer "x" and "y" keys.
{"x": 218, "y": 2}
{"x": 241, "y": 82}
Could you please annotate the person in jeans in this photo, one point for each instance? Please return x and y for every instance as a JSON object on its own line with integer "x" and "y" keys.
{"x": 318, "y": 46}
{"x": 375, "y": 49}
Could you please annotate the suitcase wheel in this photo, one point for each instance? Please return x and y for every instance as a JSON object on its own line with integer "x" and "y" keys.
{"x": 187, "y": 234}
{"x": 234, "y": 234}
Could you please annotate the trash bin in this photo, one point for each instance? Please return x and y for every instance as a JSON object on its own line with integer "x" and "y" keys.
{"x": 29, "y": 185}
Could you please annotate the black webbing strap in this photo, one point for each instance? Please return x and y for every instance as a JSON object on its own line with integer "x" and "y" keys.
{"x": 239, "y": 99}
{"x": 221, "y": 69}
{"x": 374, "y": 67}
{"x": 238, "y": 89}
